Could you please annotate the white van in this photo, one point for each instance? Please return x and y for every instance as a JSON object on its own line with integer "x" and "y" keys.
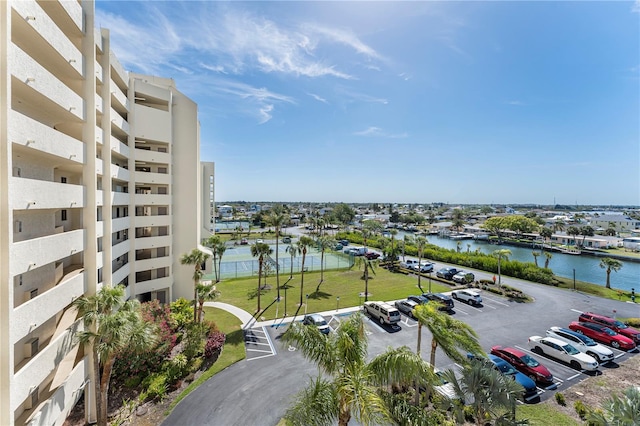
{"x": 382, "y": 312}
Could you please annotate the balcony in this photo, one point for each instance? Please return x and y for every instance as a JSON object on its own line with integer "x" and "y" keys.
{"x": 122, "y": 273}
{"x": 36, "y": 369}
{"x": 153, "y": 263}
{"x": 46, "y": 305}
{"x": 152, "y": 199}
{"x": 120, "y": 198}
{"x": 120, "y": 248}
{"x": 152, "y": 242}
{"x": 54, "y": 409}
{"x": 30, "y": 254}
{"x": 119, "y": 97}
{"x": 98, "y": 74}
{"x": 148, "y": 177}
{"x": 120, "y": 223}
{"x": 120, "y": 173}
{"x": 147, "y": 221}
{"x": 119, "y": 147}
{"x": 35, "y": 135}
{"x": 36, "y": 78}
{"x": 152, "y": 285}
{"x": 119, "y": 121}
{"x": 152, "y": 123}
{"x": 152, "y": 156}
{"x": 32, "y": 194}
{"x": 98, "y": 103}
{"x": 118, "y": 68}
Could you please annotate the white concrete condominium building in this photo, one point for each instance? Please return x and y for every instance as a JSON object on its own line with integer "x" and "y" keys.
{"x": 100, "y": 184}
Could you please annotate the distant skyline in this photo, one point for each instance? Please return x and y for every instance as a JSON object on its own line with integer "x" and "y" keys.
{"x": 402, "y": 102}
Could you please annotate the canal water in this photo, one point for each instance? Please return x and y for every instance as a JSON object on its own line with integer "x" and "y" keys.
{"x": 587, "y": 268}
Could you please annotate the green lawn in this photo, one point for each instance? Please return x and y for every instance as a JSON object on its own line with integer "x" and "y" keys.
{"x": 544, "y": 415}
{"x": 345, "y": 284}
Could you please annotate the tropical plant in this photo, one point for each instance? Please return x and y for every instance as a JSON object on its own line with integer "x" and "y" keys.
{"x": 490, "y": 394}
{"x": 110, "y": 326}
{"x": 586, "y": 231}
{"x": 558, "y": 225}
{"x": 323, "y": 243}
{"x": 421, "y": 242}
{"x": 457, "y": 220}
{"x": 573, "y": 231}
{"x": 450, "y": 334}
{"x": 535, "y": 255}
{"x": 367, "y": 265}
{"x": 546, "y": 233}
{"x": 277, "y": 219}
{"x": 501, "y": 254}
{"x": 303, "y": 245}
{"x": 619, "y": 410}
{"x": 218, "y": 248}
{"x": 195, "y": 258}
{"x": 547, "y": 258}
{"x": 347, "y": 384}
{"x": 205, "y": 292}
{"x": 260, "y": 250}
{"x": 293, "y": 251}
{"x": 610, "y": 265}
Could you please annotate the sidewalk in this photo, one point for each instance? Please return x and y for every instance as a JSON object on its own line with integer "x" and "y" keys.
{"x": 248, "y": 321}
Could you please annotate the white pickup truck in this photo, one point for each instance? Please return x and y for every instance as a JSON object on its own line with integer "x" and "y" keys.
{"x": 471, "y": 297}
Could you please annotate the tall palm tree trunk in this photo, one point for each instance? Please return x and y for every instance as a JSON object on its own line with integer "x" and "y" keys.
{"x": 304, "y": 255}
{"x": 104, "y": 390}
{"x": 277, "y": 262}
{"x": 101, "y": 416}
{"x": 432, "y": 359}
{"x": 345, "y": 414}
{"x": 259, "y": 278}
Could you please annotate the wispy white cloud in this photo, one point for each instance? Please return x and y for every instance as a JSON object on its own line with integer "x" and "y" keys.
{"x": 363, "y": 97}
{"x": 318, "y": 98}
{"x": 636, "y": 7}
{"x": 377, "y": 132}
{"x": 215, "y": 68}
{"x": 345, "y": 37}
{"x": 404, "y": 76}
{"x": 515, "y": 102}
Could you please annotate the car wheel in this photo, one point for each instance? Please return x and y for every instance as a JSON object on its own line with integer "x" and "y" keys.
{"x": 597, "y": 358}
{"x": 381, "y": 321}
{"x": 455, "y": 296}
{"x": 533, "y": 377}
{"x": 575, "y": 365}
{"x": 615, "y": 344}
{"x": 536, "y": 349}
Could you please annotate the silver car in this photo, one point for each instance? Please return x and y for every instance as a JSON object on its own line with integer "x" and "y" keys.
{"x": 582, "y": 343}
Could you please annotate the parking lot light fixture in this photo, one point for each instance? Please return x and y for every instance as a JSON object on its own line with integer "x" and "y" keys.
{"x": 306, "y": 304}
{"x": 337, "y": 303}
{"x": 429, "y": 282}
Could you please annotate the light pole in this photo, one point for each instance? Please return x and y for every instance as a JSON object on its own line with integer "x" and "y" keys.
{"x": 337, "y": 303}
{"x": 429, "y": 281}
{"x": 574, "y": 279}
{"x": 306, "y": 304}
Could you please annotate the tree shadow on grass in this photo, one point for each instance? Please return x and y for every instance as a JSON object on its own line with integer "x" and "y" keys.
{"x": 319, "y": 295}
{"x": 236, "y": 337}
{"x": 253, "y": 293}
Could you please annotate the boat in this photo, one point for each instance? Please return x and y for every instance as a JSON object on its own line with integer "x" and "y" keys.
{"x": 570, "y": 251}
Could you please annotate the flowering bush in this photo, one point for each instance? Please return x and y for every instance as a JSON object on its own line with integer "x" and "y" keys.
{"x": 214, "y": 344}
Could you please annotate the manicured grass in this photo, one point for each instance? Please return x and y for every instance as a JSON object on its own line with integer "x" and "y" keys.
{"x": 595, "y": 289}
{"x": 544, "y": 415}
{"x": 345, "y": 284}
{"x": 232, "y": 352}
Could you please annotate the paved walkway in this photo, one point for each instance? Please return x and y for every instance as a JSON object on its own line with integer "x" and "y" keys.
{"x": 248, "y": 321}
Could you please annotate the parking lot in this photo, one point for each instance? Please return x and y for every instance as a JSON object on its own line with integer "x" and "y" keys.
{"x": 497, "y": 322}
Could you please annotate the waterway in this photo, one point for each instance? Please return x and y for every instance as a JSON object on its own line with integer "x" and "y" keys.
{"x": 587, "y": 268}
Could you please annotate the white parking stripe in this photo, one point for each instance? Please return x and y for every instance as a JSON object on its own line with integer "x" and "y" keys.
{"x": 495, "y": 301}
{"x": 273, "y": 348}
{"x": 577, "y": 311}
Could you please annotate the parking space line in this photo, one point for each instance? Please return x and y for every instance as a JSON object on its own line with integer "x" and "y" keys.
{"x": 260, "y": 350}
{"x": 256, "y": 343}
{"x": 258, "y": 357}
{"x": 456, "y": 309}
{"x": 273, "y": 348}
{"x": 577, "y": 311}
{"x": 497, "y": 301}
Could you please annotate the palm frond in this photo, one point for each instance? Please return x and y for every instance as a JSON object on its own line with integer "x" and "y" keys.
{"x": 316, "y": 405}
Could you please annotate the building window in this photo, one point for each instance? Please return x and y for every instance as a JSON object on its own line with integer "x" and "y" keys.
{"x": 63, "y": 215}
{"x": 17, "y": 226}
{"x": 17, "y": 172}
{"x": 162, "y": 190}
{"x": 63, "y": 179}
{"x": 162, "y": 170}
{"x": 162, "y": 149}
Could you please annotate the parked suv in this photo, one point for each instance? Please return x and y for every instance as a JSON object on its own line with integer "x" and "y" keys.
{"x": 471, "y": 297}
{"x": 613, "y": 324}
{"x": 445, "y": 302}
{"x": 446, "y": 273}
{"x": 382, "y": 312}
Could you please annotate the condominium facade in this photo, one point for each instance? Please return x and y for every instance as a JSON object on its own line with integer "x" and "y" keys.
{"x": 100, "y": 184}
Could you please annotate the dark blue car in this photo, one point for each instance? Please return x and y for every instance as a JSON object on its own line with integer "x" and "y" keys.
{"x": 505, "y": 368}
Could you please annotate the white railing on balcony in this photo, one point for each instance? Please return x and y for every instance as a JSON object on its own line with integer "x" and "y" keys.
{"x": 37, "y": 311}
{"x": 35, "y": 135}
{"x": 119, "y": 121}
{"x": 98, "y": 73}
{"x": 119, "y": 147}
{"x": 32, "y": 194}
{"x": 152, "y": 199}
{"x": 98, "y": 103}
{"x": 148, "y": 177}
{"x": 152, "y": 156}
{"x": 151, "y": 242}
{"x": 99, "y": 166}
{"x": 118, "y": 68}
{"x": 117, "y": 94}
{"x": 152, "y": 285}
{"x": 26, "y": 69}
{"x": 153, "y": 263}
{"x": 145, "y": 221}
{"x": 30, "y": 254}
{"x": 118, "y": 172}
{"x": 118, "y": 224}
{"x": 152, "y": 123}
{"x": 122, "y": 273}
{"x": 120, "y": 198}
{"x": 121, "y": 248}
{"x": 74, "y": 10}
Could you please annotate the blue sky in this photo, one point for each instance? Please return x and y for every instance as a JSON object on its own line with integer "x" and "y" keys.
{"x": 409, "y": 102}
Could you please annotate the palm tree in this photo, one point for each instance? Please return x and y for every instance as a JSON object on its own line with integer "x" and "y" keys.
{"x": 572, "y": 231}
{"x": 303, "y": 246}
{"x": 535, "y": 254}
{"x": 367, "y": 265}
{"x": 323, "y": 243}
{"x": 218, "y": 247}
{"x": 586, "y": 231}
{"x": 458, "y": 219}
{"x": 195, "y": 258}
{"x": 621, "y": 410}
{"x": 450, "y": 334}
{"x": 205, "y": 292}
{"x": 293, "y": 251}
{"x": 111, "y": 325}
{"x": 421, "y": 243}
{"x": 277, "y": 218}
{"x": 347, "y": 384}
{"x": 501, "y": 254}
{"x": 558, "y": 225}
{"x": 491, "y": 392}
{"x": 547, "y": 258}
{"x": 259, "y": 250}
{"x": 610, "y": 265}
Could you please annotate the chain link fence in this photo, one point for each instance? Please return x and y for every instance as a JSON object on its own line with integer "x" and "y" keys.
{"x": 248, "y": 268}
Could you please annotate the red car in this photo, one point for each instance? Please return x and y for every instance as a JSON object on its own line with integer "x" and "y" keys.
{"x": 524, "y": 363}
{"x": 603, "y": 334}
{"x": 614, "y": 324}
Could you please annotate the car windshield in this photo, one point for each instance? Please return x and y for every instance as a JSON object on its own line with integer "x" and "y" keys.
{"x": 609, "y": 331}
{"x": 588, "y": 341}
{"x": 506, "y": 368}
{"x": 570, "y": 350}
{"x": 319, "y": 323}
{"x": 529, "y": 361}
{"x": 620, "y": 325}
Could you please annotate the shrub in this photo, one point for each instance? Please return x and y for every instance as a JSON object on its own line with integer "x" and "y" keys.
{"x": 182, "y": 312}
{"x": 580, "y": 409}
{"x": 132, "y": 382}
{"x": 214, "y": 344}
{"x": 560, "y": 399}
{"x": 193, "y": 340}
{"x": 156, "y": 386}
